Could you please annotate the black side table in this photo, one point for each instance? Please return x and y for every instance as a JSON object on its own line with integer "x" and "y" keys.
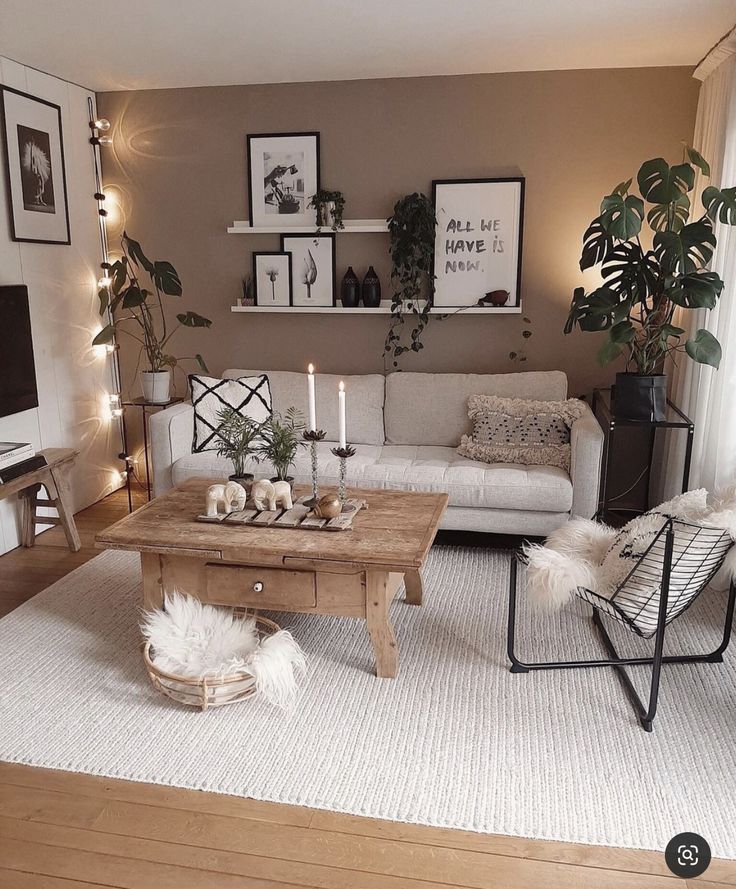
{"x": 145, "y": 406}
{"x": 674, "y": 419}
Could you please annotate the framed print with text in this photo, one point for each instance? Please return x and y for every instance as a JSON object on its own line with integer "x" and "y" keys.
{"x": 478, "y": 240}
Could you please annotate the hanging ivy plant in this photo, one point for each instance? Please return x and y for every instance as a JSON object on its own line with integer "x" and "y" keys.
{"x": 411, "y": 229}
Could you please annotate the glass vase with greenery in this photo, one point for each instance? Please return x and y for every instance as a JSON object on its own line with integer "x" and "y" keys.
{"x": 239, "y": 437}
{"x": 138, "y": 311}
{"x": 282, "y": 437}
{"x": 648, "y": 276}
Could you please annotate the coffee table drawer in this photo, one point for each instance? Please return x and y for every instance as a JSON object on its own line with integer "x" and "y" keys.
{"x": 260, "y": 587}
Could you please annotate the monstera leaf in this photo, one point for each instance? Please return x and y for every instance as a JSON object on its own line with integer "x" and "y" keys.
{"x": 697, "y": 160}
{"x": 136, "y": 253}
{"x": 687, "y": 250}
{"x": 596, "y": 243}
{"x": 192, "y": 319}
{"x": 622, "y": 216}
{"x": 670, "y": 216}
{"x": 720, "y": 204}
{"x": 704, "y": 348}
{"x": 630, "y": 271}
{"x": 166, "y": 278}
{"x": 598, "y": 310}
{"x": 659, "y": 183}
{"x": 698, "y": 290}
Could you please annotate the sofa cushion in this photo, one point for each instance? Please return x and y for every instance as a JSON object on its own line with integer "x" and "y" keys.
{"x": 432, "y": 409}
{"x": 365, "y": 395}
{"x": 248, "y": 396}
{"x": 419, "y": 468}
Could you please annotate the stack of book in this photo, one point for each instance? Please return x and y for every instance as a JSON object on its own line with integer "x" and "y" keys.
{"x": 17, "y": 458}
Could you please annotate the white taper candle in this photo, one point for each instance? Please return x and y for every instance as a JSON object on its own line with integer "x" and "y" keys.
{"x": 312, "y": 399}
{"x": 341, "y": 412}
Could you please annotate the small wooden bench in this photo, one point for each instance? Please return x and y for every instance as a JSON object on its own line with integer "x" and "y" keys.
{"x": 54, "y": 477}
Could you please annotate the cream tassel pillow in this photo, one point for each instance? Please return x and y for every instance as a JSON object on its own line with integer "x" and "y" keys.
{"x": 516, "y": 430}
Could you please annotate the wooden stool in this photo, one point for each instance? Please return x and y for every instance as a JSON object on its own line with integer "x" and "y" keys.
{"x": 54, "y": 477}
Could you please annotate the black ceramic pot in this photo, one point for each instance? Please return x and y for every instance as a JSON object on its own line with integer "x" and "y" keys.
{"x": 640, "y": 397}
{"x": 371, "y": 289}
{"x": 245, "y": 480}
{"x": 350, "y": 289}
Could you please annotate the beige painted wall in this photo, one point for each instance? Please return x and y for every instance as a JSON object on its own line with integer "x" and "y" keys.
{"x": 178, "y": 165}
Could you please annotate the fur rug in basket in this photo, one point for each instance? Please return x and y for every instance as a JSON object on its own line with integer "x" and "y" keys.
{"x": 584, "y": 553}
{"x": 194, "y": 641}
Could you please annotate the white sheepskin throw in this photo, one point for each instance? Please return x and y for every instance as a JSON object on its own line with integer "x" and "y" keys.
{"x": 194, "y": 640}
{"x": 519, "y": 430}
{"x": 588, "y": 554}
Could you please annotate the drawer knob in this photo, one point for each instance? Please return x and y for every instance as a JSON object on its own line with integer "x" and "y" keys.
{"x": 258, "y": 586}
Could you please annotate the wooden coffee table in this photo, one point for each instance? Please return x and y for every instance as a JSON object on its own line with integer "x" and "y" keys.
{"x": 347, "y": 573}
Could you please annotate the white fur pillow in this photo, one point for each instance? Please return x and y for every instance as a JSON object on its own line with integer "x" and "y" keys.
{"x": 517, "y": 430}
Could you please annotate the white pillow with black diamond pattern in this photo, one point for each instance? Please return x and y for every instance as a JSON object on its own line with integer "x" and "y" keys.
{"x": 250, "y": 396}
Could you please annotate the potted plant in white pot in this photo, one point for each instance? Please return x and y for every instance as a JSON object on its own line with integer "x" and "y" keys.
{"x": 330, "y": 206}
{"x": 139, "y": 313}
{"x": 643, "y": 286}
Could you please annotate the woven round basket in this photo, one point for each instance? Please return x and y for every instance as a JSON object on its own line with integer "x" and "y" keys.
{"x": 210, "y": 691}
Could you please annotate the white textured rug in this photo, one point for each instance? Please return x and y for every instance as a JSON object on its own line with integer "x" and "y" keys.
{"x": 454, "y": 741}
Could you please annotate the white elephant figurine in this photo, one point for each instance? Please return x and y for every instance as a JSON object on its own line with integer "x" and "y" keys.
{"x": 232, "y": 496}
{"x": 269, "y": 495}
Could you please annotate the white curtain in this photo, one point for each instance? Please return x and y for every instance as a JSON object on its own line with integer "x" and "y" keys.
{"x": 706, "y": 395}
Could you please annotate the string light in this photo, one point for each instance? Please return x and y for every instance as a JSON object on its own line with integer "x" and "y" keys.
{"x": 100, "y": 127}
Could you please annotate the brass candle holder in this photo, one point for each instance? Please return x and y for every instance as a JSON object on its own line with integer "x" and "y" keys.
{"x": 313, "y": 436}
{"x": 344, "y": 454}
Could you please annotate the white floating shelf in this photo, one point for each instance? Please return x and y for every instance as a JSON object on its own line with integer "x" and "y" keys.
{"x": 243, "y": 227}
{"x": 381, "y": 310}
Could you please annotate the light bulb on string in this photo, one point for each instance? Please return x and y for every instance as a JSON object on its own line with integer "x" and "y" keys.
{"x": 102, "y": 124}
{"x": 104, "y": 281}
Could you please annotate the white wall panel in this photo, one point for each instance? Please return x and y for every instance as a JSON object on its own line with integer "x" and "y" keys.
{"x": 73, "y": 379}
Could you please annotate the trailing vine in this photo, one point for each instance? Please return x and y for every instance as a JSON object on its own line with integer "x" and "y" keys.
{"x": 412, "y": 231}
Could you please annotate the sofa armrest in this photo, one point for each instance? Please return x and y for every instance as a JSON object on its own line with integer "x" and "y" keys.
{"x": 586, "y": 446}
{"x": 172, "y": 431}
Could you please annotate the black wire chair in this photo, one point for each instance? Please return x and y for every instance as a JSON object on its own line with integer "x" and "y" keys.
{"x": 665, "y": 581}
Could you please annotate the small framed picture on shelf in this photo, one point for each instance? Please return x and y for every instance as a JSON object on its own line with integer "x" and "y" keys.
{"x": 312, "y": 268}
{"x": 477, "y": 251}
{"x": 272, "y": 278}
{"x": 34, "y": 163}
{"x": 283, "y": 176}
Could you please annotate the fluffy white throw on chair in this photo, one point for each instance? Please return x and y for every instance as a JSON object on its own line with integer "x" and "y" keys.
{"x": 195, "y": 640}
{"x": 584, "y": 553}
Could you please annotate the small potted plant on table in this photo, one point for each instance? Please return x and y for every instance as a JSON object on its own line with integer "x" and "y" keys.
{"x": 239, "y": 438}
{"x": 282, "y": 439}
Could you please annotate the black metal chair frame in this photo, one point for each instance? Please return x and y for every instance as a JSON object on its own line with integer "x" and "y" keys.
{"x": 646, "y": 714}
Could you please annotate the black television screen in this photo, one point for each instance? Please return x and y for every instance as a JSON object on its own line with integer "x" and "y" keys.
{"x": 18, "y": 391}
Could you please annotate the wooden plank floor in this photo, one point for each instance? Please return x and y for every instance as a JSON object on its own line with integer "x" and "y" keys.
{"x": 60, "y": 830}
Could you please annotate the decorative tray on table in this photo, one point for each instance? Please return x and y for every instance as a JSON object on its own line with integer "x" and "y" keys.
{"x": 299, "y": 516}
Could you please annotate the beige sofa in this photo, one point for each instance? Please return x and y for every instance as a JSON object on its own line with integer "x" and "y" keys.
{"x": 406, "y": 428}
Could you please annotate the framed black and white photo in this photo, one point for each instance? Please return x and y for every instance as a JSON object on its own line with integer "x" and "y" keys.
{"x": 283, "y": 175}
{"x": 312, "y": 268}
{"x": 272, "y": 278}
{"x": 477, "y": 249}
{"x": 34, "y": 166}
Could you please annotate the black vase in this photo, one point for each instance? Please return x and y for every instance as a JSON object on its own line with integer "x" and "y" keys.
{"x": 350, "y": 289}
{"x": 640, "y": 397}
{"x": 371, "y": 289}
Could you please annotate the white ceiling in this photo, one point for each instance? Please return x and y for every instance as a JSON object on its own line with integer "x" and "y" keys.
{"x": 142, "y": 44}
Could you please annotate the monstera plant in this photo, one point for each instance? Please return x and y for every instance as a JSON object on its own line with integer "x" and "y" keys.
{"x": 649, "y": 274}
{"x": 138, "y": 312}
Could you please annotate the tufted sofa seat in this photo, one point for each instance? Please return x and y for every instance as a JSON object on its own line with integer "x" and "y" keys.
{"x": 405, "y": 428}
